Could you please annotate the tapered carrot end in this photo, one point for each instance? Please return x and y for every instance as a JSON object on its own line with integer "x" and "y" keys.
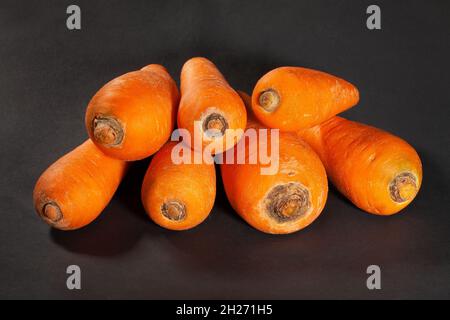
{"x": 403, "y": 187}
{"x": 269, "y": 100}
{"x": 215, "y": 125}
{"x": 154, "y": 67}
{"x": 351, "y": 93}
{"x": 52, "y": 213}
{"x": 107, "y": 131}
{"x": 174, "y": 210}
{"x": 288, "y": 202}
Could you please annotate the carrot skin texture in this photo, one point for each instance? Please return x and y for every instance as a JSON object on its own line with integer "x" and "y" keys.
{"x": 301, "y": 98}
{"x": 75, "y": 189}
{"x": 204, "y": 91}
{"x": 363, "y": 161}
{"x": 133, "y": 115}
{"x": 299, "y": 168}
{"x": 191, "y": 187}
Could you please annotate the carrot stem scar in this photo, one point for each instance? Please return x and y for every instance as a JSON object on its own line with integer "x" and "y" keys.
{"x": 269, "y": 100}
{"x": 403, "y": 187}
{"x": 108, "y": 131}
{"x": 215, "y": 125}
{"x": 52, "y": 212}
{"x": 174, "y": 210}
{"x": 288, "y": 202}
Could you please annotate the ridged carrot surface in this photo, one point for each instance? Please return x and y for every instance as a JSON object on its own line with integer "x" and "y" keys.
{"x": 379, "y": 172}
{"x": 75, "y": 189}
{"x": 283, "y": 202}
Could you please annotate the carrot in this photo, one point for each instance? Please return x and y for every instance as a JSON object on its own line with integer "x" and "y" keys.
{"x": 209, "y": 106}
{"x": 75, "y": 189}
{"x": 379, "y": 172}
{"x": 178, "y": 196}
{"x": 294, "y": 98}
{"x": 132, "y": 116}
{"x": 284, "y": 202}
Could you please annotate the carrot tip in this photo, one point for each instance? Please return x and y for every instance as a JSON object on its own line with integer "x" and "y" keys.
{"x": 174, "y": 210}
{"x": 215, "y": 125}
{"x": 51, "y": 212}
{"x": 107, "y": 131}
{"x": 269, "y": 100}
{"x": 288, "y": 202}
{"x": 154, "y": 67}
{"x": 403, "y": 187}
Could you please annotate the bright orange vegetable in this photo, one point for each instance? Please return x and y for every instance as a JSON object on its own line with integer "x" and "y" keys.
{"x": 284, "y": 202}
{"x": 379, "y": 172}
{"x": 207, "y": 98}
{"x": 75, "y": 189}
{"x": 294, "y": 98}
{"x": 132, "y": 116}
{"x": 178, "y": 196}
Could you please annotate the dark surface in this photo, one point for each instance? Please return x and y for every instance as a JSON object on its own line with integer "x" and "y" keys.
{"x": 48, "y": 74}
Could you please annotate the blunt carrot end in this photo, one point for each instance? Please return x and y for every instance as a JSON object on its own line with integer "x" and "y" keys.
{"x": 178, "y": 196}
{"x": 133, "y": 115}
{"x": 269, "y": 100}
{"x": 280, "y": 203}
{"x": 288, "y": 202}
{"x": 107, "y": 131}
{"x": 174, "y": 210}
{"x": 403, "y": 187}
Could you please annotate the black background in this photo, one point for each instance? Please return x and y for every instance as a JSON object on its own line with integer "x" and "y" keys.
{"x": 48, "y": 74}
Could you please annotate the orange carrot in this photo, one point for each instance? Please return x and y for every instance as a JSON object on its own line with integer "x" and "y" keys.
{"x": 178, "y": 196}
{"x": 75, "y": 189}
{"x": 293, "y": 98}
{"x": 132, "y": 116}
{"x": 209, "y": 106}
{"x": 284, "y": 202}
{"x": 379, "y": 172}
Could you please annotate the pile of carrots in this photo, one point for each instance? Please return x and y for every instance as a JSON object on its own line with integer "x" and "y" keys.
{"x": 133, "y": 116}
